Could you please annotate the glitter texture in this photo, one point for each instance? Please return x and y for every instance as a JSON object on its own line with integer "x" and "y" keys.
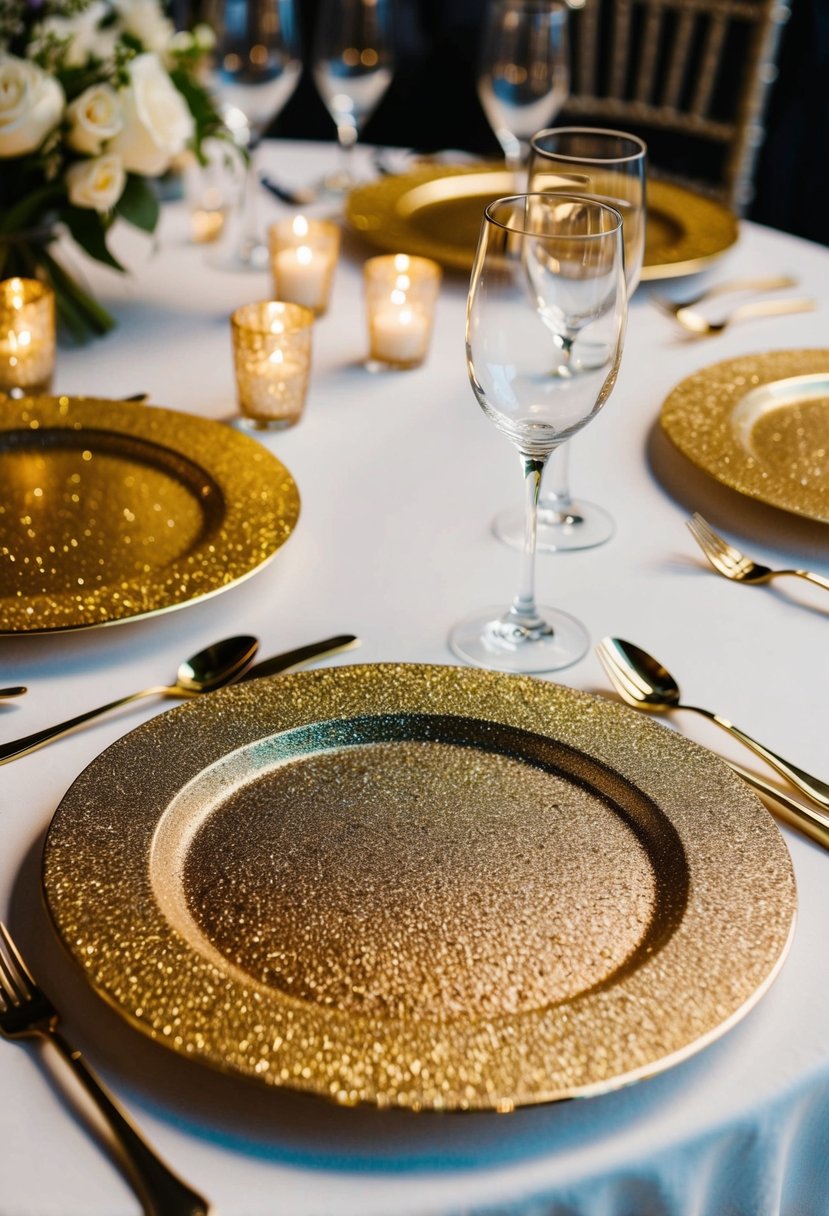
{"x": 437, "y": 213}
{"x": 771, "y": 445}
{"x": 113, "y": 510}
{"x": 430, "y": 887}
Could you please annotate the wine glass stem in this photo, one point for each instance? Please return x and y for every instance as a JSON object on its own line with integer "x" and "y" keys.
{"x": 346, "y": 138}
{"x": 248, "y": 211}
{"x": 523, "y": 610}
{"x": 559, "y": 476}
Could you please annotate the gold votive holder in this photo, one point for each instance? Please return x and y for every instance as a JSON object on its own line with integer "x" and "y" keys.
{"x": 27, "y": 336}
{"x": 303, "y": 257}
{"x": 401, "y": 292}
{"x": 272, "y": 359}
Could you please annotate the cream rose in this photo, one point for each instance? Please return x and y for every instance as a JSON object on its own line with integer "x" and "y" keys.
{"x": 31, "y": 105}
{"x": 157, "y": 122}
{"x": 96, "y": 184}
{"x": 84, "y": 35}
{"x": 94, "y": 117}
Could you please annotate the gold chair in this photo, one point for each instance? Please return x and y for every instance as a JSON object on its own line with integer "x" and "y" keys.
{"x": 691, "y": 77}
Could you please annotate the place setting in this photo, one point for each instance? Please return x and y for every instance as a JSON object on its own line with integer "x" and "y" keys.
{"x": 329, "y": 819}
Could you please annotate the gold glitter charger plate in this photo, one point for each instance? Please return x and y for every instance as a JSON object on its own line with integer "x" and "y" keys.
{"x": 436, "y": 213}
{"x": 112, "y": 510}
{"x": 759, "y": 424}
{"x": 423, "y": 886}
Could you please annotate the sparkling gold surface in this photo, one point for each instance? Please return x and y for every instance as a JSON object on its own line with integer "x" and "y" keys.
{"x": 420, "y": 886}
{"x": 113, "y": 510}
{"x": 437, "y": 212}
{"x": 759, "y": 424}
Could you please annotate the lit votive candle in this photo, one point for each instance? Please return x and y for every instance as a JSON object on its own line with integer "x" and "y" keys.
{"x": 303, "y": 257}
{"x": 272, "y": 361}
{"x": 401, "y": 292}
{"x": 27, "y": 336}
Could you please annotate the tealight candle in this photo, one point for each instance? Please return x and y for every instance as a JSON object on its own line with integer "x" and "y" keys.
{"x": 272, "y": 360}
{"x": 303, "y": 257}
{"x": 27, "y": 336}
{"x": 400, "y": 298}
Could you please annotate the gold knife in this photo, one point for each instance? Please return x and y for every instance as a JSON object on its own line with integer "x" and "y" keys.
{"x": 295, "y": 658}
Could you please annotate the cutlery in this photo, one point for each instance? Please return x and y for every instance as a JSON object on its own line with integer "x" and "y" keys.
{"x": 17, "y": 691}
{"x": 733, "y": 564}
{"x": 809, "y": 821}
{"x": 26, "y": 1012}
{"x": 294, "y": 658}
{"x": 209, "y": 669}
{"x": 644, "y": 683}
{"x": 299, "y": 197}
{"x": 697, "y": 324}
{"x": 672, "y": 307}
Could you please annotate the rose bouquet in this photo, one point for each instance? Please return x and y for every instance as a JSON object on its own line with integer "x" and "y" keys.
{"x": 97, "y": 98}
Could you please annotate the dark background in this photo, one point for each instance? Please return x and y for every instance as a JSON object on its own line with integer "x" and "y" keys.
{"x": 432, "y": 104}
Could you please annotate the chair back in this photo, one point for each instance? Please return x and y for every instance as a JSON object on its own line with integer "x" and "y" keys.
{"x": 690, "y": 77}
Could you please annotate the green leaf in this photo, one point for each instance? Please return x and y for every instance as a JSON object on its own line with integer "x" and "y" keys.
{"x": 88, "y": 230}
{"x": 29, "y": 209}
{"x": 138, "y": 204}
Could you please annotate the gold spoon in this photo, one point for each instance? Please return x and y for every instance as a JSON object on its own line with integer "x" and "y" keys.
{"x": 644, "y": 683}
{"x": 211, "y": 668}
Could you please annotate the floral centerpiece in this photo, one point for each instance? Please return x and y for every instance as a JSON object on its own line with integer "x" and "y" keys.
{"x": 97, "y": 99}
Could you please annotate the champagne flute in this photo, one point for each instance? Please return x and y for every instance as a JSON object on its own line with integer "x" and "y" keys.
{"x": 353, "y": 61}
{"x": 255, "y": 69}
{"x": 610, "y": 166}
{"x": 545, "y": 325}
{"x": 523, "y": 70}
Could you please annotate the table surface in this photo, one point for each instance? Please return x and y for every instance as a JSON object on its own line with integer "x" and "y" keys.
{"x": 400, "y": 475}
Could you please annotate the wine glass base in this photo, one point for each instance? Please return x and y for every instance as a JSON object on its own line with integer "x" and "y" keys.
{"x": 254, "y": 257}
{"x": 584, "y": 525}
{"x": 483, "y": 640}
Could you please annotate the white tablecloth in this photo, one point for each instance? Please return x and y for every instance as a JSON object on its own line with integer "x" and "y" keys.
{"x": 400, "y": 475}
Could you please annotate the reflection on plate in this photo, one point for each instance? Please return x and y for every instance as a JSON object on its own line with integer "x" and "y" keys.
{"x": 436, "y": 212}
{"x": 420, "y": 886}
{"x": 759, "y": 424}
{"x": 112, "y": 510}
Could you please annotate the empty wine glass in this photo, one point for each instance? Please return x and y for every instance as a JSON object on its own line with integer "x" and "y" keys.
{"x": 610, "y": 166}
{"x": 255, "y": 68}
{"x": 523, "y": 70}
{"x": 353, "y": 61}
{"x": 545, "y": 324}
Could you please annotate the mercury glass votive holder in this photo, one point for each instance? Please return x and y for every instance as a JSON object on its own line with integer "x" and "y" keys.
{"x": 27, "y": 336}
{"x": 303, "y": 257}
{"x": 401, "y": 293}
{"x": 272, "y": 360}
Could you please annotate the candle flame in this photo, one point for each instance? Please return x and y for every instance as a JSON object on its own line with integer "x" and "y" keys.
{"x": 304, "y": 255}
{"x": 401, "y": 262}
{"x": 398, "y": 297}
{"x": 300, "y": 226}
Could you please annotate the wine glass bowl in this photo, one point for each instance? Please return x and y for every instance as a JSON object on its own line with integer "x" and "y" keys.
{"x": 523, "y": 70}
{"x": 255, "y": 69}
{"x": 545, "y": 326}
{"x": 609, "y": 166}
{"x": 352, "y": 64}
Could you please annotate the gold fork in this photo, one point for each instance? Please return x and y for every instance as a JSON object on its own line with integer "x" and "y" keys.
{"x": 672, "y": 307}
{"x": 697, "y": 324}
{"x": 735, "y": 565}
{"x": 26, "y": 1012}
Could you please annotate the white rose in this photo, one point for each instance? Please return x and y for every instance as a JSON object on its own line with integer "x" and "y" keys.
{"x": 96, "y": 184}
{"x": 145, "y": 20}
{"x": 31, "y": 105}
{"x": 94, "y": 117}
{"x": 157, "y": 122}
{"x": 83, "y": 35}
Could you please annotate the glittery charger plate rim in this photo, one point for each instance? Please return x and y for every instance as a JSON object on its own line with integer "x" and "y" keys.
{"x": 712, "y": 416}
{"x": 247, "y": 500}
{"x": 689, "y": 231}
{"x": 130, "y": 862}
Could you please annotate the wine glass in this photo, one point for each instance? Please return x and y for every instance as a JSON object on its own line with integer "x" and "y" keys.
{"x": 353, "y": 61}
{"x": 610, "y": 166}
{"x": 545, "y": 324}
{"x": 255, "y": 69}
{"x": 523, "y": 70}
